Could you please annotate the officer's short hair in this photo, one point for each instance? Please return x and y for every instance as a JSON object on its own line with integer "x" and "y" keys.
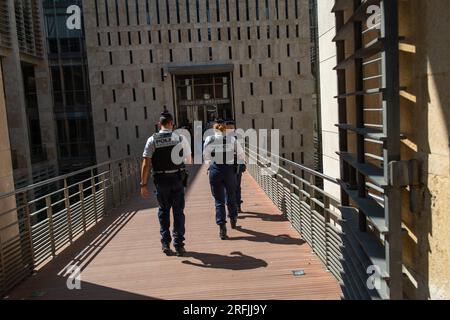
{"x": 165, "y": 118}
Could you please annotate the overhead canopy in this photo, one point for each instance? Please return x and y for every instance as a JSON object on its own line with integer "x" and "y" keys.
{"x": 200, "y": 68}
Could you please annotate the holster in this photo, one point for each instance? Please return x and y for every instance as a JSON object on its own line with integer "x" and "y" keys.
{"x": 184, "y": 175}
{"x": 155, "y": 179}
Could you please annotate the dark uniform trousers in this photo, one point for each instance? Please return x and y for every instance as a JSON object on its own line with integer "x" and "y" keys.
{"x": 170, "y": 195}
{"x": 223, "y": 181}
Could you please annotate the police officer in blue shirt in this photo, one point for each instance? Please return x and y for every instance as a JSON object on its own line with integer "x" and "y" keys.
{"x": 170, "y": 178}
{"x": 223, "y": 153}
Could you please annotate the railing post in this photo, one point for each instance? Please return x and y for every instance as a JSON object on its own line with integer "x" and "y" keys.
{"x": 94, "y": 195}
{"x": 30, "y": 233}
{"x": 112, "y": 183}
{"x": 2, "y": 265}
{"x": 48, "y": 203}
{"x": 68, "y": 210}
{"x": 103, "y": 186}
{"x": 326, "y": 214}
{"x": 83, "y": 213}
{"x": 312, "y": 206}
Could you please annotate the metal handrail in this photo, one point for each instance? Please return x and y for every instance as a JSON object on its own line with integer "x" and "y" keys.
{"x": 59, "y": 178}
{"x": 40, "y": 227}
{"x": 319, "y": 218}
{"x": 294, "y": 164}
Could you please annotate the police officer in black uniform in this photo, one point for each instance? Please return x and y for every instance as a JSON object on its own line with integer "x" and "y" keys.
{"x": 169, "y": 176}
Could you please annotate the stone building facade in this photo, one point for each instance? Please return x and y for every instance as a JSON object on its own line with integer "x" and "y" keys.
{"x": 255, "y": 52}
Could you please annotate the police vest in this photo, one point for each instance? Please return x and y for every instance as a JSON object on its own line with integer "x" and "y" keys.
{"x": 223, "y": 151}
{"x": 162, "y": 156}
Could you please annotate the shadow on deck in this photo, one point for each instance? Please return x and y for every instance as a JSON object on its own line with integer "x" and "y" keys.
{"x": 120, "y": 258}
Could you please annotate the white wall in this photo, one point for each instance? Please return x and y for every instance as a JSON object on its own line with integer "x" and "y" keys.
{"x": 328, "y": 90}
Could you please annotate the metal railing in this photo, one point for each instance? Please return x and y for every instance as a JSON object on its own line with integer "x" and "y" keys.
{"x": 42, "y": 225}
{"x": 296, "y": 190}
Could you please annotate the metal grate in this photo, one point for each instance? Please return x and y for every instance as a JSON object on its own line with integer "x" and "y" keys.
{"x": 48, "y": 222}
{"x": 369, "y": 121}
{"x": 295, "y": 190}
{"x": 28, "y": 27}
{"x": 5, "y": 36}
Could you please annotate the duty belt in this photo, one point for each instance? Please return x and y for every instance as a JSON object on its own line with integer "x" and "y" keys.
{"x": 169, "y": 171}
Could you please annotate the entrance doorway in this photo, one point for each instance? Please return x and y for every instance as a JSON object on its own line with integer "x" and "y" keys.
{"x": 204, "y": 98}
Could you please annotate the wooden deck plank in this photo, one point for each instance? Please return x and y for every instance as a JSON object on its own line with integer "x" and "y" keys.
{"x": 121, "y": 257}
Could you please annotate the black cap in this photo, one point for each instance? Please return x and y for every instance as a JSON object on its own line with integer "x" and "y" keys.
{"x": 230, "y": 122}
{"x": 165, "y": 116}
{"x": 219, "y": 121}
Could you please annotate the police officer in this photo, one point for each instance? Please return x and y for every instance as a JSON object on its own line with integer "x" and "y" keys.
{"x": 169, "y": 176}
{"x": 222, "y": 153}
{"x": 241, "y": 167}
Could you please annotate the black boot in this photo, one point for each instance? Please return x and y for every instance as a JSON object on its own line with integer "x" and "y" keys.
{"x": 233, "y": 223}
{"x": 223, "y": 232}
{"x": 180, "y": 251}
{"x": 166, "y": 249}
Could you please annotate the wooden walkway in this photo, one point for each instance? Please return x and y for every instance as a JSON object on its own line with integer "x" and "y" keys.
{"x": 121, "y": 257}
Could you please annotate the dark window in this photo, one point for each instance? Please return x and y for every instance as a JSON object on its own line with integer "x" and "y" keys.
{"x": 218, "y": 10}
{"x": 167, "y": 12}
{"x": 286, "y": 7}
{"x": 257, "y": 9}
{"x": 177, "y": 5}
{"x": 188, "y": 12}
